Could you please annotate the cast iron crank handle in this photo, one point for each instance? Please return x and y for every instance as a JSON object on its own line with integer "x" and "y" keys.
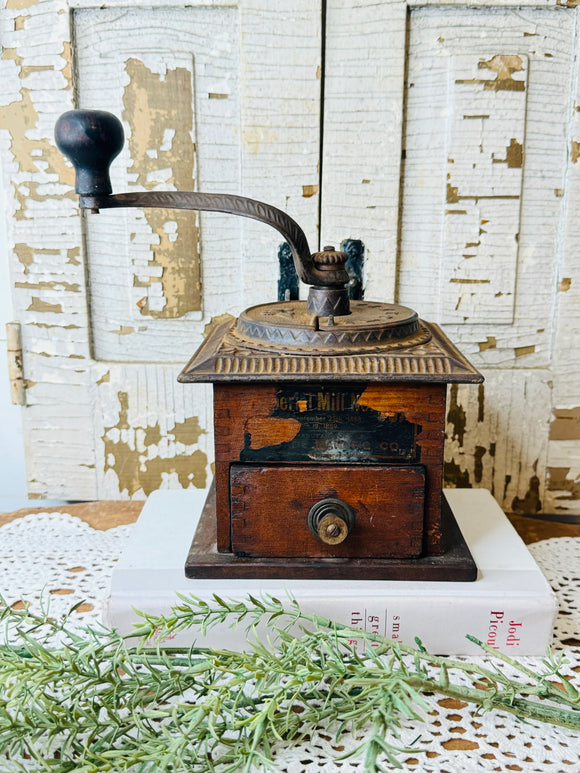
{"x": 91, "y": 139}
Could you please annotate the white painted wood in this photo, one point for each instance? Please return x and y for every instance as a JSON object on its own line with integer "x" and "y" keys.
{"x": 482, "y": 207}
{"x": 497, "y": 439}
{"x": 47, "y": 272}
{"x": 105, "y": 416}
{"x": 563, "y": 478}
{"x": 280, "y": 128}
{"x": 493, "y": 285}
{"x": 472, "y": 136}
{"x": 465, "y": 275}
{"x": 12, "y": 472}
{"x": 494, "y": 3}
{"x": 363, "y": 111}
{"x": 131, "y": 319}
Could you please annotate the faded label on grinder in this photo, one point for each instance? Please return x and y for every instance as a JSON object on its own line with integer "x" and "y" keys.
{"x": 334, "y": 427}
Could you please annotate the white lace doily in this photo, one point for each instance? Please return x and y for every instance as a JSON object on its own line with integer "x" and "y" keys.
{"x": 59, "y": 558}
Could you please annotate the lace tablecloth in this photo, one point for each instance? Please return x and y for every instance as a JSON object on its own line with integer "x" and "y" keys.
{"x": 58, "y": 558}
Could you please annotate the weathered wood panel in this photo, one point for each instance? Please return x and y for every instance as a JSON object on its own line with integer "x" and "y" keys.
{"x": 280, "y": 131}
{"x": 270, "y": 507}
{"x": 104, "y": 416}
{"x": 270, "y": 103}
{"x": 44, "y": 238}
{"x": 178, "y": 93}
{"x": 150, "y": 432}
{"x": 563, "y": 484}
{"x": 495, "y": 3}
{"x": 497, "y": 437}
{"x": 484, "y": 170}
{"x": 486, "y": 112}
{"x": 475, "y": 80}
{"x": 363, "y": 114}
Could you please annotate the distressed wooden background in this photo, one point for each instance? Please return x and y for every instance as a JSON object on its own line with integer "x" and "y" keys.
{"x": 444, "y": 136}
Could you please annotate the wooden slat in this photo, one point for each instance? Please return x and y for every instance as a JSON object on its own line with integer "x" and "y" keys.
{"x": 363, "y": 113}
{"x": 105, "y": 417}
{"x": 563, "y": 473}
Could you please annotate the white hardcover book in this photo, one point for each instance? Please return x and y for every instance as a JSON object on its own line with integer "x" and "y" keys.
{"x": 510, "y": 605}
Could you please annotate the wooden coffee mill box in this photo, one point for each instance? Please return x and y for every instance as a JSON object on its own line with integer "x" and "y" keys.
{"x": 329, "y": 413}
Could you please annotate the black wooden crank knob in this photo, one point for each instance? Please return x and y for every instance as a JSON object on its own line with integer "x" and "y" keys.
{"x": 91, "y": 139}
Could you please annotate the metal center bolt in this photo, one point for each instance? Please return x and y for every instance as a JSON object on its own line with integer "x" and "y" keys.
{"x": 333, "y": 530}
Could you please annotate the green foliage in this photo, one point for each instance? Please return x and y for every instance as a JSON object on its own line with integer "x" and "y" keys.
{"x": 96, "y": 703}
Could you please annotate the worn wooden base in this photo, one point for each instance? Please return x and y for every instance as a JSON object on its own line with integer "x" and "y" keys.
{"x": 455, "y": 565}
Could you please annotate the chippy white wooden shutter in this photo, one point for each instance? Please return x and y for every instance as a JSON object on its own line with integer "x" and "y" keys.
{"x": 451, "y": 141}
{"x": 437, "y": 116}
{"x": 215, "y": 96}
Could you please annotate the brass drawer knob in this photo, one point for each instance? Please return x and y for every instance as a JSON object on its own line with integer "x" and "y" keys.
{"x": 331, "y": 520}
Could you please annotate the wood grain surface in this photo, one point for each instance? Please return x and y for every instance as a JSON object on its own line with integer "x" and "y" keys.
{"x": 248, "y": 421}
{"x": 270, "y": 507}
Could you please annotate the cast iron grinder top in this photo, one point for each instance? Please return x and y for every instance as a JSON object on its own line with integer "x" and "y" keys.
{"x": 326, "y": 336}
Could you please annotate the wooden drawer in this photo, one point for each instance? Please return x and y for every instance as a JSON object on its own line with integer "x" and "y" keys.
{"x": 270, "y": 506}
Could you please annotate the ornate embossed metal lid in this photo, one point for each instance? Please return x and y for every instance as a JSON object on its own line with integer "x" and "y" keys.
{"x": 328, "y": 338}
{"x": 290, "y": 327}
{"x": 260, "y": 347}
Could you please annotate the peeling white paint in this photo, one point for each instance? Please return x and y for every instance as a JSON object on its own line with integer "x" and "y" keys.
{"x": 79, "y": 407}
{"x": 495, "y": 280}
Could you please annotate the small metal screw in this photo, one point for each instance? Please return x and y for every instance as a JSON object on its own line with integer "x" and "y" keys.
{"x": 333, "y": 530}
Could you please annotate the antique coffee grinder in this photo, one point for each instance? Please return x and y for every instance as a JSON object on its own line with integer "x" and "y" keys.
{"x": 329, "y": 413}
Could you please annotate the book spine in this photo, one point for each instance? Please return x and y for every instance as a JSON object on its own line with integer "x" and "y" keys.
{"x": 518, "y": 626}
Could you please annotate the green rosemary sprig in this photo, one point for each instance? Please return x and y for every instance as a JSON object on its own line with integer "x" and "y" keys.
{"x": 97, "y": 703}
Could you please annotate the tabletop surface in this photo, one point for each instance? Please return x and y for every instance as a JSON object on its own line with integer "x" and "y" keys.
{"x": 107, "y": 514}
{"x": 461, "y": 731}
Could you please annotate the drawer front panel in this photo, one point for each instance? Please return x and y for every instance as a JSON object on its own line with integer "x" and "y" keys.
{"x": 270, "y": 507}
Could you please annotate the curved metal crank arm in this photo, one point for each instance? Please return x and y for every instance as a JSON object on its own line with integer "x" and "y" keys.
{"x": 230, "y": 204}
{"x": 91, "y": 139}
